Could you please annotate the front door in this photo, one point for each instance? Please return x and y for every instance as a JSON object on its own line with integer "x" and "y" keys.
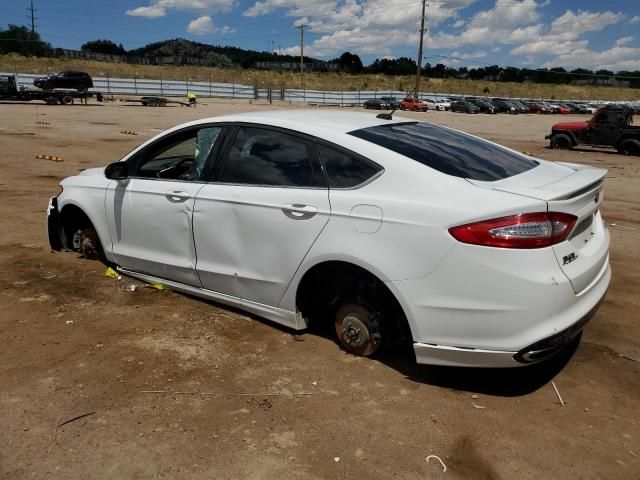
{"x": 150, "y": 213}
{"x": 256, "y": 222}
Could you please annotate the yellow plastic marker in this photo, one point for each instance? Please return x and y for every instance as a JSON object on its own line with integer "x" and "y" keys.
{"x": 111, "y": 273}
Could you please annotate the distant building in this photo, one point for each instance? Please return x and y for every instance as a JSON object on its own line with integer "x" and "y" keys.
{"x": 603, "y": 82}
{"x": 295, "y": 66}
{"x": 86, "y": 55}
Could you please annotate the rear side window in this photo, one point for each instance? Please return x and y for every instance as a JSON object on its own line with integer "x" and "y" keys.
{"x": 267, "y": 157}
{"x": 448, "y": 151}
{"x": 345, "y": 170}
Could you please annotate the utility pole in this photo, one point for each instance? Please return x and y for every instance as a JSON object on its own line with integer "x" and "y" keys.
{"x": 422, "y": 30}
{"x": 32, "y": 16}
{"x": 32, "y": 11}
{"x": 301, "y": 27}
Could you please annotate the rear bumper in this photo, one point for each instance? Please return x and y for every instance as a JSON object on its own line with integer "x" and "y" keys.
{"x": 476, "y": 357}
{"x": 54, "y": 230}
{"x": 496, "y": 308}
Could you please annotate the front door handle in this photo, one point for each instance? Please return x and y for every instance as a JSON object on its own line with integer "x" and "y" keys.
{"x": 177, "y": 195}
{"x": 297, "y": 210}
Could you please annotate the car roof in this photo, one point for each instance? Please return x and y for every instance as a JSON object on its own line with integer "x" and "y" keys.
{"x": 312, "y": 123}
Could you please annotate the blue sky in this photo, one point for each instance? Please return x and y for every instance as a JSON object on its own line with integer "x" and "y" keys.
{"x": 570, "y": 33}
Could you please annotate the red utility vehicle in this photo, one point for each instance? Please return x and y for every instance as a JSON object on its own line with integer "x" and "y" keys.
{"x": 414, "y": 104}
{"x": 611, "y": 126}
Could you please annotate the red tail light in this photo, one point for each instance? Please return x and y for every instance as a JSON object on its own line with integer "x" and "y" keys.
{"x": 528, "y": 230}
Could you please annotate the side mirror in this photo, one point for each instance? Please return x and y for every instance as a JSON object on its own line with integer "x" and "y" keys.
{"x": 117, "y": 171}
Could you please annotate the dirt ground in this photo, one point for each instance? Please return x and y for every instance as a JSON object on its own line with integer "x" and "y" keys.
{"x": 74, "y": 342}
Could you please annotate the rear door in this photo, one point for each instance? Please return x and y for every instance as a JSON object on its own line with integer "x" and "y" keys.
{"x": 254, "y": 224}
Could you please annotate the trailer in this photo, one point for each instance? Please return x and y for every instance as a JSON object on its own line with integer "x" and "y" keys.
{"x": 10, "y": 91}
{"x": 154, "y": 101}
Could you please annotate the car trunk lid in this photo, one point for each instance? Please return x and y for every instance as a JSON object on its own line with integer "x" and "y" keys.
{"x": 573, "y": 189}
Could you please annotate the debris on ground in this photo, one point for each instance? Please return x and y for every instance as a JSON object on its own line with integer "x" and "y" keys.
{"x": 558, "y": 394}
{"x": 157, "y": 286}
{"x": 336, "y": 459}
{"x": 622, "y": 226}
{"x": 69, "y": 322}
{"x": 74, "y": 419}
{"x": 633, "y": 359}
{"x": 53, "y": 158}
{"x": 111, "y": 273}
{"x": 298, "y": 337}
{"x": 131, "y": 288}
{"x": 444, "y": 467}
{"x": 479, "y": 407}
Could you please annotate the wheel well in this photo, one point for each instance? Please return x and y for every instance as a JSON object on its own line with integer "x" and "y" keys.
{"x": 71, "y": 219}
{"x": 326, "y": 285}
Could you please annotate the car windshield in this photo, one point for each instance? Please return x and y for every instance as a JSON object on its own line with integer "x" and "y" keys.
{"x": 448, "y": 151}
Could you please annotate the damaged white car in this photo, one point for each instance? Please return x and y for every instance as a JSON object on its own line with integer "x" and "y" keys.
{"x": 388, "y": 229}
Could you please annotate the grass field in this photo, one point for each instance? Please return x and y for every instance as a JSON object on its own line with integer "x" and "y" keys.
{"x": 314, "y": 81}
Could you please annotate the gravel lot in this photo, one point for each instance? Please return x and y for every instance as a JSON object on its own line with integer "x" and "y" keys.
{"x": 74, "y": 342}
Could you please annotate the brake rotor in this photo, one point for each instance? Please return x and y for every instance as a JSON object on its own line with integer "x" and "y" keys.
{"x": 357, "y": 330}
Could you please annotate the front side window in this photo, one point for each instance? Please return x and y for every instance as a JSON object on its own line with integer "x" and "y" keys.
{"x": 180, "y": 156}
{"x": 448, "y": 151}
{"x": 267, "y": 157}
{"x": 346, "y": 170}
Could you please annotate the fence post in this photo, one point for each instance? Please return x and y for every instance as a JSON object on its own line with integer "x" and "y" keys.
{"x": 135, "y": 83}
{"x": 108, "y": 85}
{"x": 210, "y": 80}
{"x": 270, "y": 93}
{"x": 161, "y": 86}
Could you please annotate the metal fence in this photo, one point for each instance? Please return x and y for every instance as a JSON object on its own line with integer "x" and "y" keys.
{"x": 164, "y": 88}
{"x": 175, "y": 88}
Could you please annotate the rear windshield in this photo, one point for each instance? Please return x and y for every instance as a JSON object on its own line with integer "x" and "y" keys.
{"x": 447, "y": 151}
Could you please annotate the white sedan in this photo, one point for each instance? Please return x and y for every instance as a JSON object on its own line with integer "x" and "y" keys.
{"x": 394, "y": 232}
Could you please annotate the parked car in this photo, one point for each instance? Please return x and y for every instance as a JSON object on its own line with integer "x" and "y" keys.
{"x": 299, "y": 219}
{"x": 577, "y": 108}
{"x": 464, "y": 107}
{"x": 538, "y": 107}
{"x": 376, "y": 103}
{"x": 414, "y": 104}
{"x": 443, "y": 104}
{"x": 521, "y": 106}
{"x": 611, "y": 126}
{"x": 483, "y": 105}
{"x": 392, "y": 101}
{"x": 431, "y": 103}
{"x": 70, "y": 80}
{"x": 504, "y": 106}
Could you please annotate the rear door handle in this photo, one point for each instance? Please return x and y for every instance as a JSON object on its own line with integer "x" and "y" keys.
{"x": 177, "y": 195}
{"x": 299, "y": 211}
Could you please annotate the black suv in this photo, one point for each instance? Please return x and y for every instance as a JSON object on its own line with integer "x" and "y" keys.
{"x": 71, "y": 80}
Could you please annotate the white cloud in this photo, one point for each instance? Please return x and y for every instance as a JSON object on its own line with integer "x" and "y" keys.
{"x": 635, "y": 20}
{"x": 623, "y": 41}
{"x": 203, "y": 25}
{"x": 510, "y": 22}
{"x": 616, "y": 58}
{"x": 153, "y": 11}
{"x": 158, "y": 8}
{"x": 366, "y": 27}
{"x": 458, "y": 24}
{"x": 469, "y": 56}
